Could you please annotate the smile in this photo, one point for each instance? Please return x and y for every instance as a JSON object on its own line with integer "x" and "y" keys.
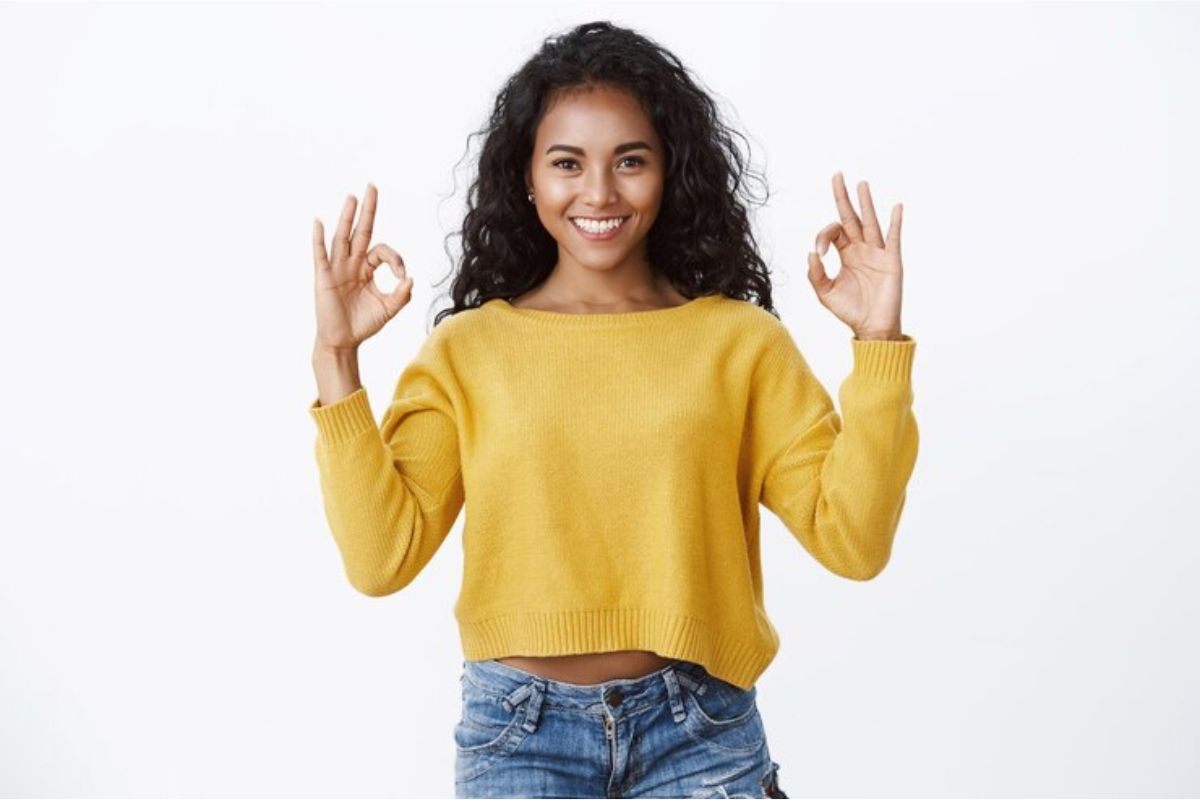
{"x": 598, "y": 230}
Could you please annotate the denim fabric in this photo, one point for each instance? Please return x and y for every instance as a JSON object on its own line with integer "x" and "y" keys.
{"x": 677, "y": 732}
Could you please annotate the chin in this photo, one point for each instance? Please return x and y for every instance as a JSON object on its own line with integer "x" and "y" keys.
{"x": 604, "y": 261}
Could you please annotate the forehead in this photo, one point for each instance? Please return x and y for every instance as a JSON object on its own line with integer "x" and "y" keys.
{"x": 597, "y": 115}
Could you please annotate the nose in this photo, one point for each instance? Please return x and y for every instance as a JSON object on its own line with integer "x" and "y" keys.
{"x": 599, "y": 191}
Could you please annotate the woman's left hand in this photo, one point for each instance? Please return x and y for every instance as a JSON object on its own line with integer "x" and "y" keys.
{"x": 866, "y": 293}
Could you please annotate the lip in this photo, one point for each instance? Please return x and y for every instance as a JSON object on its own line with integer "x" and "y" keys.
{"x": 600, "y": 237}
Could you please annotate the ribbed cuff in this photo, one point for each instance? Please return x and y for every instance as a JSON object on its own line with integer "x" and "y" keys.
{"x": 884, "y": 359}
{"x": 347, "y": 418}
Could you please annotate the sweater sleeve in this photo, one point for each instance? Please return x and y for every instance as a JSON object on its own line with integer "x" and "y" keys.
{"x": 838, "y": 486}
{"x": 391, "y": 492}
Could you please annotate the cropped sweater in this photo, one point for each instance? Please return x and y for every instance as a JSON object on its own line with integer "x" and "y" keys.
{"x": 612, "y": 467}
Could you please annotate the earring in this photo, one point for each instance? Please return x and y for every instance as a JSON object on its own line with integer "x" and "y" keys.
{"x": 531, "y": 197}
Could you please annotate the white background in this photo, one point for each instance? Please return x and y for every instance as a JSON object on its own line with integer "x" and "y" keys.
{"x": 174, "y": 617}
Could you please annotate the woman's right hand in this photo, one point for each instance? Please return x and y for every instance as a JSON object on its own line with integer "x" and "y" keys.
{"x": 350, "y": 307}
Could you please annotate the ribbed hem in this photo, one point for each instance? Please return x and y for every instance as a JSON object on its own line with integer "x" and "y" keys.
{"x": 344, "y": 420}
{"x": 556, "y": 633}
{"x": 885, "y": 359}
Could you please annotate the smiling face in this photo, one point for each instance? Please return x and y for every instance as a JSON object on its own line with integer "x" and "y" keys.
{"x": 597, "y": 156}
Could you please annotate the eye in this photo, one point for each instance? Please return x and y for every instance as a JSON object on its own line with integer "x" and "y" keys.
{"x": 637, "y": 160}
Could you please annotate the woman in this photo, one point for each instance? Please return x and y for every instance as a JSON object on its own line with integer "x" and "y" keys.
{"x": 615, "y": 408}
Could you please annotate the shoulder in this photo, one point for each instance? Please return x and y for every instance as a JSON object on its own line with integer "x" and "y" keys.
{"x": 765, "y": 339}
{"x": 755, "y": 324}
{"x": 461, "y": 335}
{"x": 455, "y": 325}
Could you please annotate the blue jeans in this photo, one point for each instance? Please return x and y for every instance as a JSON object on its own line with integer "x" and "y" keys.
{"x": 677, "y": 732}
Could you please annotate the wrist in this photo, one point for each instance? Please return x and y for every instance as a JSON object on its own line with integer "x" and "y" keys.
{"x": 334, "y": 354}
{"x": 890, "y": 336}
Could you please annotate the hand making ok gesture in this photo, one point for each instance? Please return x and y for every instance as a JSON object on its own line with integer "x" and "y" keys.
{"x": 866, "y": 293}
{"x": 350, "y": 306}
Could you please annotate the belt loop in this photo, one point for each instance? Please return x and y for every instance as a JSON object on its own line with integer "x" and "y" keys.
{"x": 537, "y": 694}
{"x": 699, "y": 687}
{"x": 672, "y": 680}
{"x": 514, "y": 698}
{"x": 533, "y": 690}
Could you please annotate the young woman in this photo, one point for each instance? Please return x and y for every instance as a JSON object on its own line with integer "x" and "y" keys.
{"x": 612, "y": 396}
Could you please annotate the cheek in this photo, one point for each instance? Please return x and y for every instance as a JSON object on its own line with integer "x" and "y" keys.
{"x": 645, "y": 194}
{"x": 553, "y": 196}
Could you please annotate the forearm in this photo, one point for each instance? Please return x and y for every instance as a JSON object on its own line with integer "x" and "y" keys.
{"x": 337, "y": 374}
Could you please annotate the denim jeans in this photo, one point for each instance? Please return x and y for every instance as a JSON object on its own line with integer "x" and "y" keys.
{"x": 677, "y": 732}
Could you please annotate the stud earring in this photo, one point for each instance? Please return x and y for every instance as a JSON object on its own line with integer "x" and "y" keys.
{"x": 531, "y": 197}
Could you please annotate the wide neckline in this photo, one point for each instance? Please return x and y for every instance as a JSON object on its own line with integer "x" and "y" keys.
{"x": 585, "y": 319}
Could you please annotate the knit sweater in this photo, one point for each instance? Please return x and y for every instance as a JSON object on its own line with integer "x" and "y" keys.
{"x": 612, "y": 467}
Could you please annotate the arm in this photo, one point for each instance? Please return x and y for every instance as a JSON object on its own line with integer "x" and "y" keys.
{"x": 838, "y": 487}
{"x": 391, "y": 492}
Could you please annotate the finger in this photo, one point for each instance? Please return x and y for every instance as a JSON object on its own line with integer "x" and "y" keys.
{"x": 341, "y": 237}
{"x": 846, "y": 211}
{"x": 893, "y": 237}
{"x": 871, "y": 232}
{"x": 320, "y": 257}
{"x": 361, "y": 239}
{"x": 381, "y": 253}
{"x": 817, "y": 276}
{"x": 396, "y": 299}
{"x": 832, "y": 233}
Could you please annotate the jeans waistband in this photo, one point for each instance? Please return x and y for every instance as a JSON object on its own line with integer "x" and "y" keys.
{"x": 505, "y": 681}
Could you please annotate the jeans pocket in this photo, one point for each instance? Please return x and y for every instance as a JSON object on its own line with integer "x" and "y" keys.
{"x": 484, "y": 722}
{"x": 488, "y": 730}
{"x": 724, "y": 716}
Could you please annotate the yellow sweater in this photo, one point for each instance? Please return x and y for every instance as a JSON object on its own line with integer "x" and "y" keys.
{"x": 612, "y": 466}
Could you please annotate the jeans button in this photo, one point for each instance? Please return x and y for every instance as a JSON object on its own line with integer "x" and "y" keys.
{"x": 615, "y": 697}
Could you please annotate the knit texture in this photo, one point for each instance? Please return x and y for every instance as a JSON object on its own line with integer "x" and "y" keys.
{"x": 612, "y": 467}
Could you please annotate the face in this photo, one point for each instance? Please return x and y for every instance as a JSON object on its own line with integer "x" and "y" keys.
{"x": 597, "y": 156}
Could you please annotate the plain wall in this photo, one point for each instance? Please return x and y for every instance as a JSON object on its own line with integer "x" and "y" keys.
{"x": 174, "y": 620}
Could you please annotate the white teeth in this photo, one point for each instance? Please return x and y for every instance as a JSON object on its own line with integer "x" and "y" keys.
{"x": 598, "y": 227}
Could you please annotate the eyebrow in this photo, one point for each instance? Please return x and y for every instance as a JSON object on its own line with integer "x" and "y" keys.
{"x": 621, "y": 148}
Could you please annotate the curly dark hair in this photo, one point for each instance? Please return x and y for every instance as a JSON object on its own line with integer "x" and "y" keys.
{"x": 701, "y": 240}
